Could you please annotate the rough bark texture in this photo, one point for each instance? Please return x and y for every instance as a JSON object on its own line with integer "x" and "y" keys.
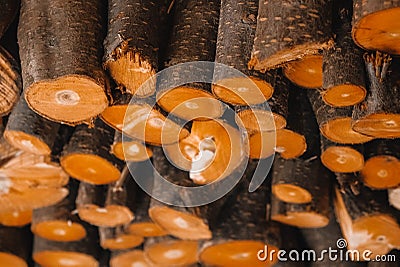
{"x": 91, "y": 194}
{"x": 17, "y": 241}
{"x": 382, "y": 147}
{"x": 340, "y": 61}
{"x": 26, "y": 121}
{"x": 288, "y": 30}
{"x": 66, "y": 42}
{"x": 62, "y": 138}
{"x": 9, "y": 9}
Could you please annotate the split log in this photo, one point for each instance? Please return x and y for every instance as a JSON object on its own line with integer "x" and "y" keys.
{"x": 366, "y": 221}
{"x": 342, "y": 85}
{"x": 127, "y": 149}
{"x": 87, "y": 156}
{"x": 16, "y": 218}
{"x": 238, "y": 86}
{"x": 129, "y": 259}
{"x": 66, "y": 82}
{"x": 15, "y": 246}
{"x": 382, "y": 164}
{"x": 29, "y": 131}
{"x": 290, "y": 30}
{"x": 379, "y": 114}
{"x": 10, "y": 81}
{"x": 375, "y": 25}
{"x": 193, "y": 38}
{"x": 132, "y": 43}
{"x": 243, "y": 229}
{"x": 168, "y": 252}
{"x": 335, "y": 123}
{"x": 85, "y": 252}
{"x": 59, "y": 222}
{"x": 341, "y": 158}
{"x": 9, "y": 9}
{"x": 308, "y": 197}
{"x": 305, "y": 72}
{"x": 394, "y": 197}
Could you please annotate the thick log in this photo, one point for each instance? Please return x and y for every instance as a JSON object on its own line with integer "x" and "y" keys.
{"x": 305, "y": 72}
{"x": 9, "y": 9}
{"x": 382, "y": 163}
{"x": 379, "y": 114}
{"x": 237, "y": 27}
{"x": 342, "y": 86}
{"x": 335, "y": 123}
{"x": 15, "y": 246}
{"x": 30, "y": 132}
{"x": 128, "y": 149}
{"x": 87, "y": 156}
{"x": 243, "y": 228}
{"x": 85, "y": 252}
{"x": 375, "y": 25}
{"x": 341, "y": 158}
{"x": 66, "y": 82}
{"x": 366, "y": 221}
{"x": 132, "y": 43}
{"x": 10, "y": 81}
{"x": 191, "y": 41}
{"x": 290, "y": 30}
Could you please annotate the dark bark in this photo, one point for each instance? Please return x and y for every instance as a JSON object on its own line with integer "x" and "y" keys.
{"x": 288, "y": 30}
{"x": 63, "y": 43}
{"x": 10, "y": 82}
{"x": 383, "y": 147}
{"x": 341, "y": 60}
{"x": 17, "y": 241}
{"x": 62, "y": 138}
{"x": 91, "y": 194}
{"x": 9, "y": 9}
{"x": 26, "y": 121}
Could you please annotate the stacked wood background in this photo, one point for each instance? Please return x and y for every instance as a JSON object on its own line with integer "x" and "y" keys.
{"x": 318, "y": 99}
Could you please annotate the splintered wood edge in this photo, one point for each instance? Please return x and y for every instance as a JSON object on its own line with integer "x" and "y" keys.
{"x": 243, "y": 90}
{"x": 70, "y": 99}
{"x": 56, "y": 257}
{"x": 26, "y": 142}
{"x": 173, "y": 252}
{"x": 8, "y": 259}
{"x": 57, "y": 230}
{"x": 132, "y": 71}
{"x": 122, "y": 242}
{"x": 381, "y": 172}
{"x": 290, "y": 144}
{"x": 109, "y": 216}
{"x": 291, "y": 193}
{"x": 344, "y": 95}
{"x": 380, "y": 125}
{"x": 342, "y": 159}
{"x": 305, "y": 72}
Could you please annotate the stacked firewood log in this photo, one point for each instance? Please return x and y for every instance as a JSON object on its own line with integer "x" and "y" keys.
{"x": 301, "y": 106}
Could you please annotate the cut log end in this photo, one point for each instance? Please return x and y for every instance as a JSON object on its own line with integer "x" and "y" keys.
{"x": 179, "y": 224}
{"x": 305, "y": 72}
{"x": 287, "y": 55}
{"x": 64, "y": 259}
{"x": 131, "y": 151}
{"x": 16, "y": 218}
{"x": 344, "y": 95}
{"x": 291, "y": 193}
{"x": 394, "y": 197}
{"x": 237, "y": 254}
{"x": 190, "y": 103}
{"x": 262, "y": 145}
{"x": 7, "y": 260}
{"x": 173, "y": 253}
{"x": 302, "y": 219}
{"x": 146, "y": 229}
{"x": 135, "y": 258}
{"x": 132, "y": 71}
{"x": 342, "y": 159}
{"x": 114, "y": 116}
{"x": 379, "y": 31}
{"x": 379, "y": 125}
{"x": 26, "y": 142}
{"x": 61, "y": 231}
{"x": 122, "y": 242}
{"x": 261, "y": 120}
{"x": 109, "y": 216}
{"x": 290, "y": 144}
{"x": 149, "y": 125}
{"x": 340, "y": 131}
{"x": 70, "y": 99}
{"x": 243, "y": 91}
{"x": 90, "y": 168}
{"x": 381, "y": 172}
